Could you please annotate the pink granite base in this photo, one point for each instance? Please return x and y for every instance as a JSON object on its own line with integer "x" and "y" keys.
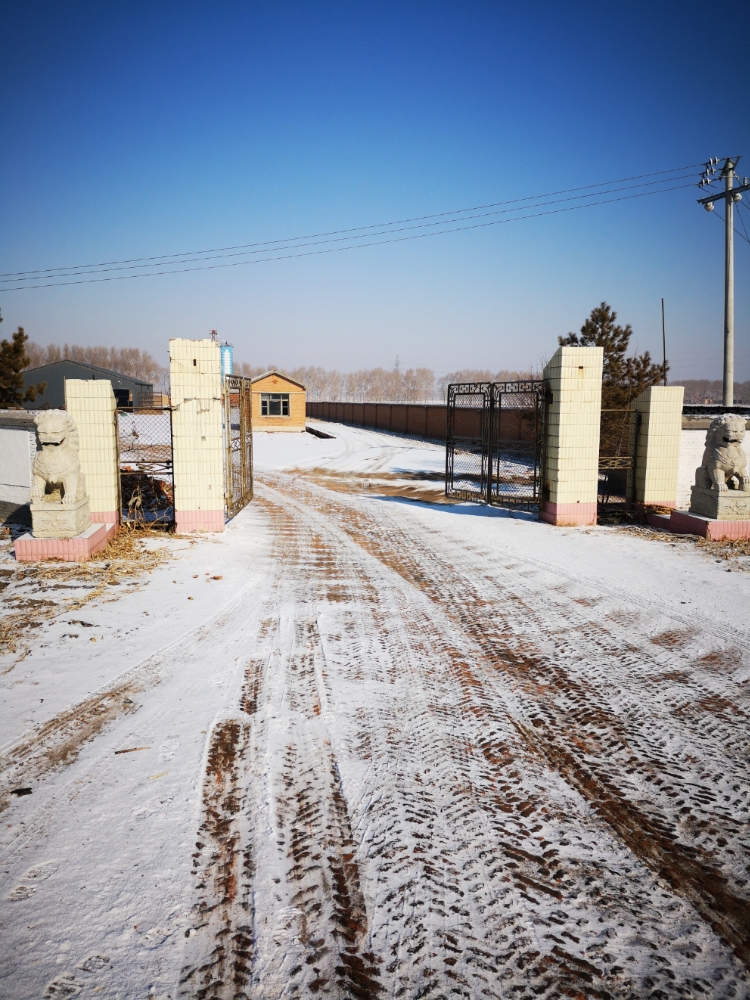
{"x": 78, "y": 549}
{"x": 570, "y": 514}
{"x": 198, "y": 520}
{"x": 639, "y": 505}
{"x": 105, "y": 517}
{"x": 682, "y": 522}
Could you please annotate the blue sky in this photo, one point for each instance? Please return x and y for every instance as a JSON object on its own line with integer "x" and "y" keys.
{"x": 137, "y": 129}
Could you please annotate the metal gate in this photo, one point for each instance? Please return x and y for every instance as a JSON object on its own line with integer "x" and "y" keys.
{"x": 494, "y": 441}
{"x": 144, "y": 438}
{"x": 617, "y": 446}
{"x": 238, "y": 442}
{"x": 467, "y": 444}
{"x": 517, "y": 436}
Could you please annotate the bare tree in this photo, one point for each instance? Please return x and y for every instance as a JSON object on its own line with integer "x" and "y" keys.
{"x": 710, "y": 391}
{"x": 130, "y": 361}
{"x": 482, "y": 375}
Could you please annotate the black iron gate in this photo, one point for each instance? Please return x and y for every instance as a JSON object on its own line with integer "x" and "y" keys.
{"x": 618, "y": 442}
{"x": 494, "y": 441}
{"x": 238, "y": 442}
{"x": 467, "y": 444}
{"x": 517, "y": 438}
{"x": 144, "y": 439}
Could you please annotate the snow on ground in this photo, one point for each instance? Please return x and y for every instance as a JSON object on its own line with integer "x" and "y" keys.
{"x": 351, "y": 449}
{"x": 399, "y": 749}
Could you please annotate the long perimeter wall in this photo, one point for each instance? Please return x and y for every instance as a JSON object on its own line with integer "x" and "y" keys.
{"x": 418, "y": 419}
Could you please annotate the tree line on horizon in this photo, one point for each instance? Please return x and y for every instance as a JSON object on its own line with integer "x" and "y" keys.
{"x": 130, "y": 361}
{"x": 379, "y": 385}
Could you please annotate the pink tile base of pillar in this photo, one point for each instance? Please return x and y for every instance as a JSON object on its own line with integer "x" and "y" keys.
{"x": 682, "y": 522}
{"x": 105, "y": 517}
{"x": 198, "y": 520}
{"x": 568, "y": 514}
{"x": 78, "y": 549}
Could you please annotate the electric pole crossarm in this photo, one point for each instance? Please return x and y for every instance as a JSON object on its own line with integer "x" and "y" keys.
{"x": 723, "y": 195}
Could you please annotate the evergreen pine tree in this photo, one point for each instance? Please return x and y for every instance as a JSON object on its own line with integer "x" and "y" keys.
{"x": 623, "y": 378}
{"x": 13, "y": 360}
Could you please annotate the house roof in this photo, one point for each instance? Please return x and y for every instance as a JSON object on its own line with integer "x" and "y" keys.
{"x": 85, "y": 364}
{"x": 273, "y": 371}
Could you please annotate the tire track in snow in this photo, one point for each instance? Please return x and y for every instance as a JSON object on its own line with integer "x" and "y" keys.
{"x": 224, "y": 864}
{"x": 393, "y": 548}
{"x": 328, "y": 952}
{"x": 322, "y": 918}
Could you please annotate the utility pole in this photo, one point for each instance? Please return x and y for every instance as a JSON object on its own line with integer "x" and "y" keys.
{"x": 729, "y": 196}
{"x": 728, "y": 175}
{"x": 663, "y": 341}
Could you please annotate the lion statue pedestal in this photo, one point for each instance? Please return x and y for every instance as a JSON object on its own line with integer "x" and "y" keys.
{"x": 722, "y": 483}
{"x": 59, "y": 503}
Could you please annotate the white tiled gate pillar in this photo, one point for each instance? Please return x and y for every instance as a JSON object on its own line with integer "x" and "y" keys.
{"x": 571, "y": 450}
{"x": 657, "y": 457}
{"x": 91, "y": 403}
{"x": 197, "y": 435}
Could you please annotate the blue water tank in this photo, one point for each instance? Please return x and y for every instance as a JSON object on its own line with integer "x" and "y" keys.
{"x": 227, "y": 359}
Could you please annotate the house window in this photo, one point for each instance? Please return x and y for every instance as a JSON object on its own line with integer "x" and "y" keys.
{"x": 274, "y": 404}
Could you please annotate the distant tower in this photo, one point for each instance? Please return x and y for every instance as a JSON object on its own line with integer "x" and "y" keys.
{"x": 227, "y": 359}
{"x": 227, "y": 354}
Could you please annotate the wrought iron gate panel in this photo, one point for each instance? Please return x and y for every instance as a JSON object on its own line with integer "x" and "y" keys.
{"x": 617, "y": 446}
{"x": 468, "y": 436}
{"x": 144, "y": 439}
{"x": 518, "y": 413}
{"x": 494, "y": 442}
{"x": 238, "y": 443}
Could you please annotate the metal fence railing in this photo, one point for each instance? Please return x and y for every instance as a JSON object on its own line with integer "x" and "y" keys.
{"x": 618, "y": 446}
{"x": 238, "y": 443}
{"x": 144, "y": 438}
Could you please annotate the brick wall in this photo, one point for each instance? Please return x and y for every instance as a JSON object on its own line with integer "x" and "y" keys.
{"x": 91, "y": 403}
{"x": 197, "y": 435}
{"x": 416, "y": 419}
{"x": 571, "y": 454}
{"x": 657, "y": 458}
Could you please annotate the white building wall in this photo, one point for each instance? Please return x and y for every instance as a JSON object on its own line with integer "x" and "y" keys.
{"x": 692, "y": 446}
{"x": 17, "y": 454}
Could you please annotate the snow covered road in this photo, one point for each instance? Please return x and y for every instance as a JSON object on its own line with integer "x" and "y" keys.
{"x": 415, "y": 751}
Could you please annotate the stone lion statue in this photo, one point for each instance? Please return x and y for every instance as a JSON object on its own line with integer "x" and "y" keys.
{"x": 724, "y": 460}
{"x": 57, "y": 464}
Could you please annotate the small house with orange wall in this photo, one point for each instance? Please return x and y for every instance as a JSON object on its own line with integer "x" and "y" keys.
{"x": 279, "y": 403}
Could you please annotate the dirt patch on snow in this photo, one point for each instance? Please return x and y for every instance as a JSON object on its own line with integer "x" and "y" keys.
{"x": 128, "y": 557}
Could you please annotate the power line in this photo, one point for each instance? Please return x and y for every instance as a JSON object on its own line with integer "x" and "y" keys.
{"x": 741, "y": 235}
{"x": 341, "y": 239}
{"x": 358, "y": 246}
{"x": 741, "y": 217}
{"x": 338, "y": 232}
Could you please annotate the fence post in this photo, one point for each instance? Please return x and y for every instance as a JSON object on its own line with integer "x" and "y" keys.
{"x": 571, "y": 448}
{"x": 197, "y": 435}
{"x": 91, "y": 403}
{"x": 656, "y": 450}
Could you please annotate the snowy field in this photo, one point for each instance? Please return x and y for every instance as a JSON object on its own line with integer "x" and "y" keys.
{"x": 350, "y": 450}
{"x": 360, "y": 746}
